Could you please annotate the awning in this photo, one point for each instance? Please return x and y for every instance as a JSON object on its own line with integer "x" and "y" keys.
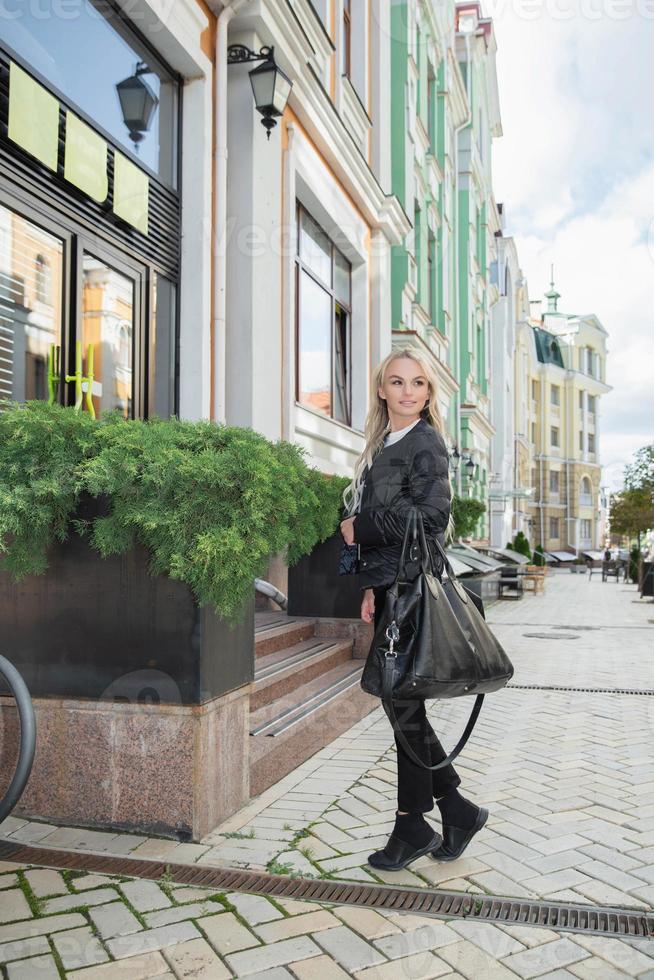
{"x": 466, "y": 551}
{"x": 472, "y": 561}
{"x": 595, "y": 555}
{"x": 459, "y": 567}
{"x": 562, "y": 555}
{"x": 513, "y": 556}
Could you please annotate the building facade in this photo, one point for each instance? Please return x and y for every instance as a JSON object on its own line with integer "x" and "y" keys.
{"x": 560, "y": 376}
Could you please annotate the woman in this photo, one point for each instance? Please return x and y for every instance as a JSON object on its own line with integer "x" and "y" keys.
{"x": 405, "y": 464}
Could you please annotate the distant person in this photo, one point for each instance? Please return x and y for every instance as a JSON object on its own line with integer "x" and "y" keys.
{"x": 589, "y": 566}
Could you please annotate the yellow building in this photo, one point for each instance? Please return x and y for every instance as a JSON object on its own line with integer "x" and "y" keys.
{"x": 560, "y": 376}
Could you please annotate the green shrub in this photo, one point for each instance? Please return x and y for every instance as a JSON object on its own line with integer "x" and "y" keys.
{"x": 634, "y": 560}
{"x": 210, "y": 502}
{"x": 538, "y": 558}
{"x": 521, "y": 545}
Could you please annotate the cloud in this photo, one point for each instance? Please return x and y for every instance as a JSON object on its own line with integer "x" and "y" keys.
{"x": 575, "y": 172}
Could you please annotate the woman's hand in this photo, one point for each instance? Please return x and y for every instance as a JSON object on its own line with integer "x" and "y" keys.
{"x": 368, "y": 606}
{"x": 347, "y": 530}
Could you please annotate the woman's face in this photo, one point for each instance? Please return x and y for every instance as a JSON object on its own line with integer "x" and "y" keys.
{"x": 405, "y": 389}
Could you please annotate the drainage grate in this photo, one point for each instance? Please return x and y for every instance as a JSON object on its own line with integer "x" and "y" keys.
{"x": 423, "y": 901}
{"x": 582, "y": 690}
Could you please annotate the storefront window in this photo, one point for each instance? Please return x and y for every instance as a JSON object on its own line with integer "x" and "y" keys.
{"x": 85, "y": 50}
{"x": 31, "y": 263}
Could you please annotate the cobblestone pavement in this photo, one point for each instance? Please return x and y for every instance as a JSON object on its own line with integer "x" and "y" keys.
{"x": 568, "y": 777}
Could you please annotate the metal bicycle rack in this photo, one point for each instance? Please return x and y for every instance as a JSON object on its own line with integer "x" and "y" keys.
{"x": 27, "y": 744}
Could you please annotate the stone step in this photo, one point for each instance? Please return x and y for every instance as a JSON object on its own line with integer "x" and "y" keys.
{"x": 295, "y": 726}
{"x": 283, "y": 671}
{"x": 276, "y": 631}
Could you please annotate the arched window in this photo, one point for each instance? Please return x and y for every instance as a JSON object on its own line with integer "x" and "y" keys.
{"x": 586, "y": 486}
{"x": 585, "y": 492}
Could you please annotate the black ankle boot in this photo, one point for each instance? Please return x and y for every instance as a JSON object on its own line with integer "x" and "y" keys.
{"x": 412, "y": 837}
{"x": 461, "y": 821}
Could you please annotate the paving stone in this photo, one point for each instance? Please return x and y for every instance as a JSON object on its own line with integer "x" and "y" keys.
{"x": 618, "y": 954}
{"x": 86, "y": 882}
{"x": 196, "y": 959}
{"x": 192, "y": 910}
{"x": 488, "y": 937}
{"x": 541, "y": 959}
{"x": 43, "y": 967}
{"x": 298, "y": 925}
{"x": 46, "y": 881}
{"x": 114, "y": 919}
{"x": 612, "y": 876}
{"x": 276, "y": 954}
{"x": 470, "y": 961}
{"x": 40, "y": 927}
{"x": 318, "y": 968}
{"x": 226, "y": 934}
{"x": 367, "y": 922}
{"x": 13, "y": 906}
{"x": 78, "y": 948}
{"x": 596, "y": 969}
{"x": 420, "y": 966}
{"x": 149, "y": 939}
{"x": 8, "y": 881}
{"x": 348, "y": 949}
{"x": 139, "y": 967}
{"x": 21, "y": 948}
{"x": 429, "y": 934}
{"x": 144, "y": 895}
{"x": 66, "y": 902}
{"x": 254, "y": 908}
{"x": 278, "y": 973}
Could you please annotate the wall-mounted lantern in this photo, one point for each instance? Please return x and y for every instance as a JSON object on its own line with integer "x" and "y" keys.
{"x": 138, "y": 102}
{"x": 271, "y": 86}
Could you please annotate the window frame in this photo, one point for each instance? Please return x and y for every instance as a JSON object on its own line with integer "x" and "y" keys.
{"x": 338, "y": 308}
{"x": 346, "y": 39}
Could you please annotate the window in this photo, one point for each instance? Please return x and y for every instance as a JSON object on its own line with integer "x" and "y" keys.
{"x": 581, "y": 440}
{"x": 554, "y": 481}
{"x": 585, "y": 529}
{"x": 534, "y": 477}
{"x": 554, "y": 435}
{"x": 555, "y": 395}
{"x": 533, "y": 432}
{"x": 86, "y": 52}
{"x": 534, "y": 390}
{"x": 581, "y": 401}
{"x": 347, "y": 37}
{"x": 591, "y": 442}
{"x": 323, "y": 321}
{"x": 591, "y": 404}
{"x": 554, "y": 527}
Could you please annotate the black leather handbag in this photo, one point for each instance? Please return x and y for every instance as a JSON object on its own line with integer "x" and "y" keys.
{"x": 432, "y": 641}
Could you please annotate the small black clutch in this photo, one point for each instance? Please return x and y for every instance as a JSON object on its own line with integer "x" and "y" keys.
{"x": 349, "y": 559}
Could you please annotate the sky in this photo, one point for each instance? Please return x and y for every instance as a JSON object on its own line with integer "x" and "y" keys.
{"x": 574, "y": 169}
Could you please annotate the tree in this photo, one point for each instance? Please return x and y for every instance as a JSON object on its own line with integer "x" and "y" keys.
{"x": 639, "y": 475}
{"x": 466, "y": 511}
{"x": 632, "y": 512}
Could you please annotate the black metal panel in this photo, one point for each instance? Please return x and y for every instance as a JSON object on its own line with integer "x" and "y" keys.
{"x": 160, "y": 247}
{"x": 105, "y": 628}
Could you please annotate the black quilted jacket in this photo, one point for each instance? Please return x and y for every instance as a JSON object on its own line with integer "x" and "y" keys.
{"x": 412, "y": 472}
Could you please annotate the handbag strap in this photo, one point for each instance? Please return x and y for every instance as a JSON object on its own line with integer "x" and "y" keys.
{"x": 387, "y": 701}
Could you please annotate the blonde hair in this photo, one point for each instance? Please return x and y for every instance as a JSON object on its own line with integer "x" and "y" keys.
{"x": 378, "y": 423}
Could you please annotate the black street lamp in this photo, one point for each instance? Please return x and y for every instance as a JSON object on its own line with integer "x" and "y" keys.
{"x": 138, "y": 102}
{"x": 455, "y": 459}
{"x": 271, "y": 86}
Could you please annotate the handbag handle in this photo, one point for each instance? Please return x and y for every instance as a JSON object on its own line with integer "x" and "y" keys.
{"x": 387, "y": 701}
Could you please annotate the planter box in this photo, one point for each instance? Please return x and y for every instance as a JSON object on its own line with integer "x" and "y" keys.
{"x": 316, "y": 589}
{"x": 141, "y": 696}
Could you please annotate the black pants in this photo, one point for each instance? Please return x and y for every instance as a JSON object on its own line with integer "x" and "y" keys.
{"x": 417, "y": 787}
